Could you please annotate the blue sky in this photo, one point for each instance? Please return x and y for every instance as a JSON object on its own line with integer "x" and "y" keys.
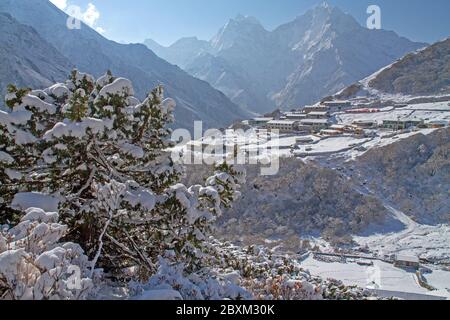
{"x": 168, "y": 20}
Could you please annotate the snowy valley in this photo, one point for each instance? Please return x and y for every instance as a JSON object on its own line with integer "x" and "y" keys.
{"x": 376, "y": 195}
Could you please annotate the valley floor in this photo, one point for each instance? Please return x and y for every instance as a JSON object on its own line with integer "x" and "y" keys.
{"x": 380, "y": 276}
{"x": 400, "y": 235}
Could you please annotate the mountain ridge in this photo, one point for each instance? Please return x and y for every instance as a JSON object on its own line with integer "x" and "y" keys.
{"x": 91, "y": 52}
{"x": 297, "y": 63}
{"x": 18, "y": 41}
{"x": 420, "y": 75}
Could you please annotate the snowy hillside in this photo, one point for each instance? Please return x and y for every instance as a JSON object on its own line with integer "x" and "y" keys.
{"x": 413, "y": 174}
{"x": 426, "y": 72}
{"x": 298, "y": 63}
{"x": 301, "y": 200}
{"x": 89, "y": 51}
{"x": 27, "y": 59}
{"x": 346, "y": 187}
{"x": 422, "y": 75}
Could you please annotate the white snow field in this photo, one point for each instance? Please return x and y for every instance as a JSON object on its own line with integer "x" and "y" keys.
{"x": 386, "y": 276}
{"x": 383, "y": 278}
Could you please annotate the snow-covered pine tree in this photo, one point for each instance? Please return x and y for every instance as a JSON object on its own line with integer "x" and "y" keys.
{"x": 103, "y": 154}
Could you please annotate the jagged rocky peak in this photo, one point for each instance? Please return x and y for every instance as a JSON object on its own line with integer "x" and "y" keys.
{"x": 325, "y": 14}
{"x": 242, "y": 23}
{"x": 246, "y": 19}
{"x": 237, "y": 29}
{"x": 189, "y": 42}
{"x": 90, "y": 52}
{"x": 318, "y": 47}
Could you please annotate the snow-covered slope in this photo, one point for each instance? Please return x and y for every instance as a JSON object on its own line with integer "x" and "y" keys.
{"x": 420, "y": 74}
{"x": 301, "y": 200}
{"x": 426, "y": 72}
{"x": 298, "y": 63}
{"x": 391, "y": 185}
{"x": 91, "y": 52}
{"x": 26, "y": 58}
{"x": 413, "y": 174}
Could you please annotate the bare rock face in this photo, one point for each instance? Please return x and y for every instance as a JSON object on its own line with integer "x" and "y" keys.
{"x": 300, "y": 62}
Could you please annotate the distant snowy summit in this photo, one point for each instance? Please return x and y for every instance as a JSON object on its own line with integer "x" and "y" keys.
{"x": 298, "y": 63}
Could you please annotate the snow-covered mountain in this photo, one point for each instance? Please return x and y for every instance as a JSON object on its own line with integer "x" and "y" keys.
{"x": 420, "y": 76}
{"x": 298, "y": 63}
{"x": 182, "y": 53}
{"x": 426, "y": 72}
{"x": 91, "y": 52}
{"x": 27, "y": 59}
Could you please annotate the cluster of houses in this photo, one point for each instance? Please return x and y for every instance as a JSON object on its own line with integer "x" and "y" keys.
{"x": 308, "y": 126}
{"x": 313, "y": 119}
{"x": 400, "y": 124}
{"x": 317, "y": 119}
{"x": 309, "y": 119}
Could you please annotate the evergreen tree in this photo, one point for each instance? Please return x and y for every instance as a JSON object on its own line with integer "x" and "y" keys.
{"x": 103, "y": 154}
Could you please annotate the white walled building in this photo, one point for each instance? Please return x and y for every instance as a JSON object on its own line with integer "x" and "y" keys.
{"x": 283, "y": 125}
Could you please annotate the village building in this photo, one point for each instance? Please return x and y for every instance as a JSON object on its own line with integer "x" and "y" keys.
{"x": 366, "y": 124}
{"x": 360, "y": 100}
{"x": 283, "y": 125}
{"x": 401, "y": 124}
{"x": 437, "y": 124}
{"x": 213, "y": 146}
{"x": 314, "y": 124}
{"x": 338, "y": 127}
{"x": 315, "y": 108}
{"x": 318, "y": 115}
{"x": 402, "y": 261}
{"x": 259, "y": 122}
{"x": 304, "y": 140}
{"x": 336, "y": 106}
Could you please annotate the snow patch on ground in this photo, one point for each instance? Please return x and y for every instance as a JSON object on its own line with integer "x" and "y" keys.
{"x": 384, "y": 275}
{"x": 26, "y": 200}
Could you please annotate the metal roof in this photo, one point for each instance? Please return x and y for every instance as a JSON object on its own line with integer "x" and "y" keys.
{"x": 286, "y": 122}
{"x": 411, "y": 259}
{"x": 315, "y": 121}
